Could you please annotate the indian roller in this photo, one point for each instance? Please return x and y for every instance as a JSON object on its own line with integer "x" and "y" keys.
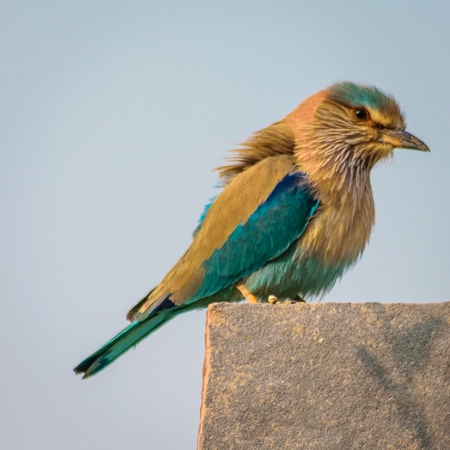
{"x": 296, "y": 211}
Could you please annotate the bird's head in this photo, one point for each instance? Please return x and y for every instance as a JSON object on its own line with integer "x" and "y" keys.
{"x": 349, "y": 127}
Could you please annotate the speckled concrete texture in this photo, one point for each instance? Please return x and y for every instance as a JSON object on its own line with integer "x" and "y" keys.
{"x": 326, "y": 376}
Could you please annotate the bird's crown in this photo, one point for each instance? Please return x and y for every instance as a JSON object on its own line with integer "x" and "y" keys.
{"x": 381, "y": 107}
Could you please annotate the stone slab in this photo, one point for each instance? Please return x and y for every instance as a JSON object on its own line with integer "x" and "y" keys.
{"x": 326, "y": 376}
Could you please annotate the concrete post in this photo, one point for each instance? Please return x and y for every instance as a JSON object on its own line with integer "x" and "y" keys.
{"x": 326, "y": 376}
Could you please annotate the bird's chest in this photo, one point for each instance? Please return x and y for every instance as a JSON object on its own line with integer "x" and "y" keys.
{"x": 340, "y": 229}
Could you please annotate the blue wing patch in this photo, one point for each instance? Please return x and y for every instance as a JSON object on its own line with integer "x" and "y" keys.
{"x": 268, "y": 232}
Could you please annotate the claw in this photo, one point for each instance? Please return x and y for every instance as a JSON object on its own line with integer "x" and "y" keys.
{"x": 272, "y": 300}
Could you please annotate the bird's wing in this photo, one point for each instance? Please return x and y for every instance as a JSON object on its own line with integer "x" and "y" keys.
{"x": 255, "y": 219}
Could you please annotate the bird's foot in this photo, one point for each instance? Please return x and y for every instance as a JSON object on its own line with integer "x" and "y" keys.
{"x": 272, "y": 300}
{"x": 246, "y": 293}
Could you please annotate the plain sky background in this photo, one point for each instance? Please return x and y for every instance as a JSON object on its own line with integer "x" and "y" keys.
{"x": 112, "y": 116}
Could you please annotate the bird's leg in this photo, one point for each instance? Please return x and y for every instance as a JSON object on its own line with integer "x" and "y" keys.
{"x": 246, "y": 293}
{"x": 272, "y": 300}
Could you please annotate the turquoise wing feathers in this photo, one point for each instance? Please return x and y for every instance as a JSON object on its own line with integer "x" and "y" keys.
{"x": 279, "y": 221}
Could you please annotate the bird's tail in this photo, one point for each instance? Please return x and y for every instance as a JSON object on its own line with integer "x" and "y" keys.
{"x": 126, "y": 339}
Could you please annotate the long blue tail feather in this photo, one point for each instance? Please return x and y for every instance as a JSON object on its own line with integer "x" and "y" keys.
{"x": 123, "y": 341}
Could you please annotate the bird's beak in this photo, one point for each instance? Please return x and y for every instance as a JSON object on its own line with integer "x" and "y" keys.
{"x": 403, "y": 139}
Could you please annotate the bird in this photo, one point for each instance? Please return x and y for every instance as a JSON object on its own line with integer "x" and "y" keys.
{"x": 295, "y": 212}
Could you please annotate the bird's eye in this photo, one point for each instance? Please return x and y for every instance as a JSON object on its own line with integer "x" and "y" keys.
{"x": 361, "y": 114}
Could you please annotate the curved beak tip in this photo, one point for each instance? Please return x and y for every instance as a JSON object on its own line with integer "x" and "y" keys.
{"x": 403, "y": 139}
{"x": 418, "y": 145}
{"x": 422, "y": 147}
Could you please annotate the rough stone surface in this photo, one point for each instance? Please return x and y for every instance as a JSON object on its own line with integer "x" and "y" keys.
{"x": 326, "y": 376}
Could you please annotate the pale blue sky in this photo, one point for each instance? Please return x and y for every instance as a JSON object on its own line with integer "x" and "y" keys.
{"x": 112, "y": 116}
